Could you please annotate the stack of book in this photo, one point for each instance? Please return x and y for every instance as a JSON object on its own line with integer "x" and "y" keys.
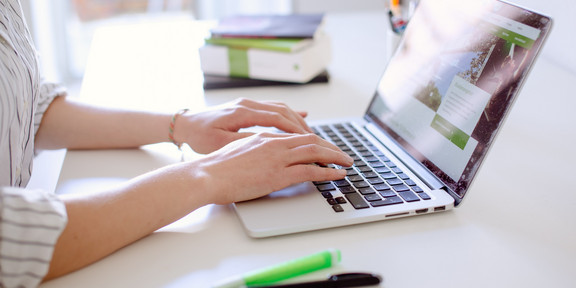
{"x": 260, "y": 48}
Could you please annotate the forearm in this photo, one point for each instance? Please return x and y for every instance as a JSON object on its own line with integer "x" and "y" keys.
{"x": 102, "y": 223}
{"x": 70, "y": 124}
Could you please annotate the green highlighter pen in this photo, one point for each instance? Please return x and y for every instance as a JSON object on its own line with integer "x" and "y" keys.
{"x": 284, "y": 270}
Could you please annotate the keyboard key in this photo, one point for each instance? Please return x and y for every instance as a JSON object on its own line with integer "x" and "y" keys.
{"x": 409, "y": 196}
{"x": 417, "y": 189}
{"x": 325, "y": 187}
{"x": 362, "y": 148}
{"x": 384, "y": 158}
{"x": 424, "y": 196}
{"x": 372, "y": 197}
{"x": 396, "y": 169}
{"x": 367, "y": 190}
{"x": 337, "y": 208}
{"x": 400, "y": 188}
{"x": 355, "y": 178}
{"x": 356, "y": 144}
{"x": 351, "y": 171}
{"x": 387, "y": 201}
{"x": 388, "y": 175}
{"x": 375, "y": 181}
{"x": 371, "y": 159}
{"x": 327, "y": 195}
{"x": 403, "y": 176}
{"x": 340, "y": 200}
{"x": 347, "y": 135}
{"x": 355, "y": 157}
{"x": 377, "y": 164}
{"x": 382, "y": 170}
{"x": 361, "y": 184}
{"x": 372, "y": 147}
{"x": 381, "y": 187}
{"x": 357, "y": 201}
{"x": 331, "y": 201}
{"x": 339, "y": 143}
{"x": 394, "y": 181}
{"x": 370, "y": 174}
{"x": 341, "y": 183}
{"x": 364, "y": 169}
{"x": 365, "y": 153}
{"x": 347, "y": 189}
{"x": 387, "y": 193}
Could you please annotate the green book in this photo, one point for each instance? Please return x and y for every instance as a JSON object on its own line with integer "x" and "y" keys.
{"x": 278, "y": 44}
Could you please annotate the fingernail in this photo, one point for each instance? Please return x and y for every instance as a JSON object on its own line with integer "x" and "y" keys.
{"x": 350, "y": 159}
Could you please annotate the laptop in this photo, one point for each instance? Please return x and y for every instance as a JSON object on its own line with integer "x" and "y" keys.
{"x": 435, "y": 113}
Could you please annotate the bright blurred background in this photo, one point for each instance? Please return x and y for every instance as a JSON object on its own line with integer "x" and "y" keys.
{"x": 63, "y": 29}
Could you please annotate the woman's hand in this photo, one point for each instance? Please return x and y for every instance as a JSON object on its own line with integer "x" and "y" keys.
{"x": 263, "y": 163}
{"x": 104, "y": 221}
{"x": 211, "y": 130}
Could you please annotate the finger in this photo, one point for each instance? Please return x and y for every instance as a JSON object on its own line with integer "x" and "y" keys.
{"x": 302, "y": 173}
{"x": 299, "y": 140}
{"x": 312, "y": 153}
{"x": 248, "y": 117}
{"x": 306, "y": 149}
{"x": 297, "y": 116}
{"x": 280, "y": 108}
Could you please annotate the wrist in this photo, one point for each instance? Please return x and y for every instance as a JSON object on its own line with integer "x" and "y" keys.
{"x": 173, "y": 136}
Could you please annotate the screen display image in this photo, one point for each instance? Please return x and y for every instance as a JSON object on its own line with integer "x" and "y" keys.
{"x": 453, "y": 78}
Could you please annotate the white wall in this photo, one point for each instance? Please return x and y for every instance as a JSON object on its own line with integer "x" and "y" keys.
{"x": 314, "y": 6}
{"x": 562, "y": 41}
{"x": 560, "y": 45}
{"x": 213, "y": 9}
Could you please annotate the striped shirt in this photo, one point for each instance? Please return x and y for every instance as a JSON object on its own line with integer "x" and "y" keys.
{"x": 30, "y": 220}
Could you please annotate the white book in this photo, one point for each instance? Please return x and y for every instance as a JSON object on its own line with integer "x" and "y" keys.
{"x": 298, "y": 67}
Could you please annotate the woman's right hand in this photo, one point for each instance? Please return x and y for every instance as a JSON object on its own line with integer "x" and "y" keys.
{"x": 263, "y": 163}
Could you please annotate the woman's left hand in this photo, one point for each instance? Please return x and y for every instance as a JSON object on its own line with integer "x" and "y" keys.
{"x": 211, "y": 130}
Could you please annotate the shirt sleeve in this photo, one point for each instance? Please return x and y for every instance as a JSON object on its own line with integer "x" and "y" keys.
{"x": 31, "y": 222}
{"x": 48, "y": 92}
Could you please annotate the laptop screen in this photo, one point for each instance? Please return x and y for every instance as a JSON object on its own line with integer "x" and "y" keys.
{"x": 453, "y": 79}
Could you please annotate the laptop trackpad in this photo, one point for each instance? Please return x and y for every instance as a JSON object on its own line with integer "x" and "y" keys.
{"x": 293, "y": 191}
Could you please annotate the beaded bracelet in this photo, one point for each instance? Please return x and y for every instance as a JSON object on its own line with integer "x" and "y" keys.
{"x": 173, "y": 124}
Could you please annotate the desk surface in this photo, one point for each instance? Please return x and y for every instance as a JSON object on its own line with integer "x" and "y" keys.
{"x": 517, "y": 228}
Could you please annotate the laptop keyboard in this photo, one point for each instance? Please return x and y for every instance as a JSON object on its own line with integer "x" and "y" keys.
{"x": 373, "y": 181}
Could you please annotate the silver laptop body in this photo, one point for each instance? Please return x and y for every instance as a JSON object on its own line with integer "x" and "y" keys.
{"x": 436, "y": 111}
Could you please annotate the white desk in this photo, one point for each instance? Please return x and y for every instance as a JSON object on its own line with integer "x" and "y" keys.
{"x": 517, "y": 228}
